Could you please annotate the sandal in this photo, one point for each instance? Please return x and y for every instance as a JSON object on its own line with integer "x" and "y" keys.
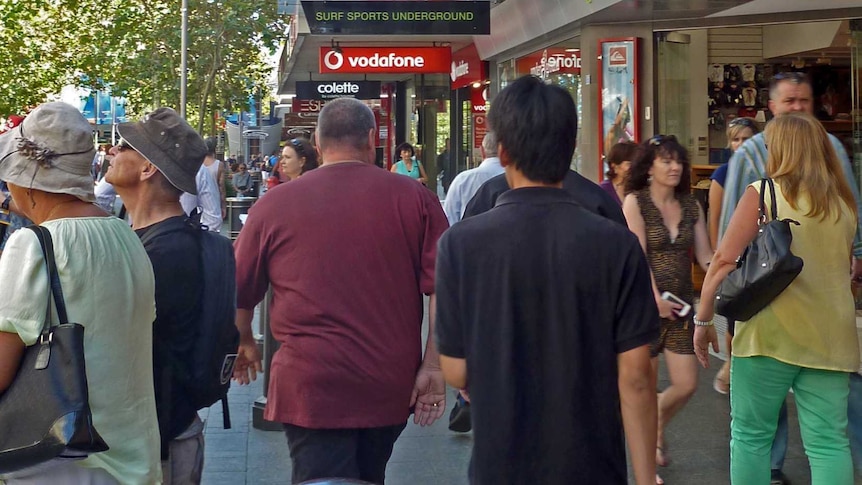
{"x": 661, "y": 457}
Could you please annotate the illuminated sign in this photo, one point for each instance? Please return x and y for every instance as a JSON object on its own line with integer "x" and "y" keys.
{"x": 337, "y": 89}
{"x": 550, "y": 61}
{"x": 467, "y": 67}
{"x": 427, "y": 60}
{"x": 354, "y": 17}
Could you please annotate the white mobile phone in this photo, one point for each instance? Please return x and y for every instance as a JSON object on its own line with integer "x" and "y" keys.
{"x": 675, "y": 299}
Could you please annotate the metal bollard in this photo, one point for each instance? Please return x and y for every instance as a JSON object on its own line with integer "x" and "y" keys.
{"x": 269, "y": 347}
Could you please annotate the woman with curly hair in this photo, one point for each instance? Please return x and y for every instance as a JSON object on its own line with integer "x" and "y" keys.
{"x": 670, "y": 224}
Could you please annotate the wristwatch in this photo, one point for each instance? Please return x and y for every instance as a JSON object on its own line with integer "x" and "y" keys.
{"x": 701, "y": 323}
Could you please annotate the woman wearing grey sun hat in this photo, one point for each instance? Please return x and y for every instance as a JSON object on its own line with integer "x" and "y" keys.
{"x": 108, "y": 283}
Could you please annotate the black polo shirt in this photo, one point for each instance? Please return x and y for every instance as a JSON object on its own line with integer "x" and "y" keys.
{"x": 539, "y": 295}
{"x": 587, "y": 193}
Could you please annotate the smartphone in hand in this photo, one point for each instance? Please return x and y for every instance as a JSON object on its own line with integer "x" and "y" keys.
{"x": 668, "y": 296}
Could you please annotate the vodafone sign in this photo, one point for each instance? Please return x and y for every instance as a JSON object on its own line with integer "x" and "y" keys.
{"x": 427, "y": 60}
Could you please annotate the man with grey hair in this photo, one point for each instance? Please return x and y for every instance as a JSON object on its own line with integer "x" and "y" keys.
{"x": 155, "y": 161}
{"x": 468, "y": 182}
{"x": 348, "y": 250}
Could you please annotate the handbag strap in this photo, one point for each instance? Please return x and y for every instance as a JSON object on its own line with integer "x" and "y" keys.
{"x": 762, "y": 219}
{"x": 47, "y": 243}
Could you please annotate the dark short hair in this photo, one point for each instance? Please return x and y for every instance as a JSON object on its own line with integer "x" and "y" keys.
{"x": 211, "y": 145}
{"x": 659, "y": 145}
{"x": 537, "y": 126}
{"x": 404, "y": 146}
{"x": 619, "y": 153}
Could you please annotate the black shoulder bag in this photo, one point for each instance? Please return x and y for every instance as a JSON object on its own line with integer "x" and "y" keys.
{"x": 45, "y": 413}
{"x": 764, "y": 270}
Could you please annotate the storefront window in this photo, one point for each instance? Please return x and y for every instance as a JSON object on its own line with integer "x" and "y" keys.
{"x": 560, "y": 65}
{"x": 673, "y": 87}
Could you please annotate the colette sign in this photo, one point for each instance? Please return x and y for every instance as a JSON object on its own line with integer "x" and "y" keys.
{"x": 337, "y": 89}
{"x": 550, "y": 61}
{"x": 420, "y": 60}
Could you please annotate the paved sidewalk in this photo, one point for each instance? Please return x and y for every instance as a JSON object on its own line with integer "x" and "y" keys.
{"x": 697, "y": 440}
{"x": 697, "y": 443}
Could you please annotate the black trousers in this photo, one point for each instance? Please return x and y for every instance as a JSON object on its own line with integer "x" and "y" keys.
{"x": 360, "y": 453}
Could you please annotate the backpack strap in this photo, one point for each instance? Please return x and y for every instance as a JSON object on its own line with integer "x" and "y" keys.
{"x": 161, "y": 230}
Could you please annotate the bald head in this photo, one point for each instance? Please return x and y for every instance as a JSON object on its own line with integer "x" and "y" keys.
{"x": 345, "y": 122}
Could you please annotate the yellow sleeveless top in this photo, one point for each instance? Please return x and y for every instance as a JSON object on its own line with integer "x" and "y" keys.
{"x": 813, "y": 322}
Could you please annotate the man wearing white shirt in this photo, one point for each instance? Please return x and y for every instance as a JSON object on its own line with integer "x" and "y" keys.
{"x": 468, "y": 182}
{"x": 208, "y": 200}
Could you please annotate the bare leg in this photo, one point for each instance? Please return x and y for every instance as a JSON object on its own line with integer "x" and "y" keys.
{"x": 722, "y": 378}
{"x": 683, "y": 382}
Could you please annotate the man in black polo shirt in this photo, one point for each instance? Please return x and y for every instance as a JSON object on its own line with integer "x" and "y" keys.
{"x": 545, "y": 312}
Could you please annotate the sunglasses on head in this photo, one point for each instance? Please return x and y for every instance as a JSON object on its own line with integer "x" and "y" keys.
{"x": 297, "y": 146}
{"x": 793, "y": 76}
{"x": 741, "y": 122}
{"x": 657, "y": 140}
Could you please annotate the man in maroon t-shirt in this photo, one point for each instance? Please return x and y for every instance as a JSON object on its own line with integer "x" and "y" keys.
{"x": 348, "y": 250}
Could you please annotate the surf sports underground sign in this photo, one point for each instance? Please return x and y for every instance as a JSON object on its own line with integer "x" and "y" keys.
{"x": 398, "y": 18}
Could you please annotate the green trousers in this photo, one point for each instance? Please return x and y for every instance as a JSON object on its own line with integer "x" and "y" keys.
{"x": 758, "y": 386}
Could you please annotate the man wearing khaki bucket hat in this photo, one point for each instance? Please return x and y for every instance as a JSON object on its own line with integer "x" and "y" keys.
{"x": 155, "y": 161}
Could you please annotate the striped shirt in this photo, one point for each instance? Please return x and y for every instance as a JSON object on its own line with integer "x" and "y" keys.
{"x": 748, "y": 165}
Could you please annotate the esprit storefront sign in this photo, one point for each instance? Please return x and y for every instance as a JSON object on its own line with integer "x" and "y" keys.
{"x": 550, "y": 61}
{"x": 361, "y": 17}
{"x": 337, "y": 89}
{"x": 423, "y": 60}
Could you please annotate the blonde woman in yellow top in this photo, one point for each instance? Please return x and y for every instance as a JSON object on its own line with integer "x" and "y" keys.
{"x": 805, "y": 339}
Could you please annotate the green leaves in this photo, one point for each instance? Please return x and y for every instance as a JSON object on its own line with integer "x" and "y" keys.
{"x": 133, "y": 46}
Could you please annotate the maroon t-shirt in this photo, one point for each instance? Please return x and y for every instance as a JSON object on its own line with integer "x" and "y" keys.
{"x": 349, "y": 249}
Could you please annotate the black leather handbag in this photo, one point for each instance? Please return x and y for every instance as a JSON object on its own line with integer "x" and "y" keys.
{"x": 45, "y": 413}
{"x": 764, "y": 270}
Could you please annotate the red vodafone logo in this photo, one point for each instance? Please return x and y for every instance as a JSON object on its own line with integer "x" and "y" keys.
{"x": 333, "y": 60}
{"x": 385, "y": 60}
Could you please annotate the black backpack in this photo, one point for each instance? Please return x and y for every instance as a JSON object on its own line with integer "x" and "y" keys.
{"x": 215, "y": 350}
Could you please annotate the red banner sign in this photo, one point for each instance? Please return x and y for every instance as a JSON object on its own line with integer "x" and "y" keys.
{"x": 479, "y": 99}
{"x": 467, "y": 67}
{"x": 363, "y": 60}
{"x": 480, "y": 129}
{"x": 550, "y": 61}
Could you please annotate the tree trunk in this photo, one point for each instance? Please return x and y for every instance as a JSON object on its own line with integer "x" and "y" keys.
{"x": 209, "y": 83}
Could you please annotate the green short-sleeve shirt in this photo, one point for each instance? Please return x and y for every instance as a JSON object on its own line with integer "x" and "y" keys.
{"x": 108, "y": 285}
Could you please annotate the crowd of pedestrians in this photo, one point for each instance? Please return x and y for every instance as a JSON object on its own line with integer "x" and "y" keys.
{"x": 550, "y": 297}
